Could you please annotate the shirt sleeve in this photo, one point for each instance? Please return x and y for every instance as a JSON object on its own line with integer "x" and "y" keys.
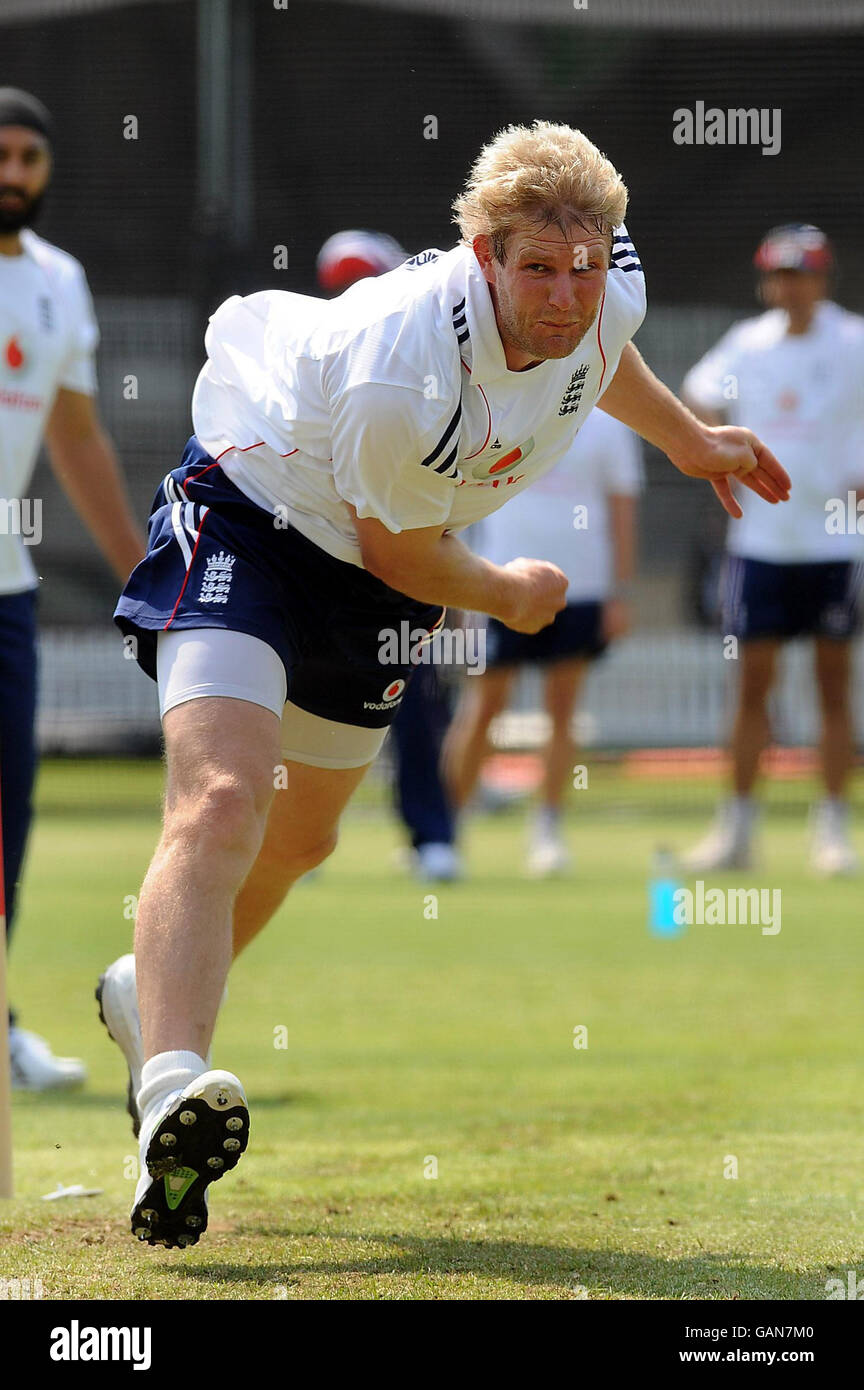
{"x": 394, "y": 454}
{"x": 78, "y": 372}
{"x": 854, "y": 457}
{"x": 625, "y": 286}
{"x": 707, "y": 383}
{"x": 622, "y": 308}
{"x": 854, "y": 434}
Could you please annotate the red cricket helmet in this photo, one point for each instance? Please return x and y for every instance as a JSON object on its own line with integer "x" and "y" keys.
{"x": 351, "y": 256}
{"x": 797, "y": 246}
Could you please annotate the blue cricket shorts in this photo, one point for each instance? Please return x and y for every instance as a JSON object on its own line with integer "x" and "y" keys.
{"x": 215, "y": 559}
{"x": 768, "y": 600}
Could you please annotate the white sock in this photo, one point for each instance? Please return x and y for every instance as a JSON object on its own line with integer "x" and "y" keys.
{"x": 547, "y": 820}
{"x": 163, "y": 1075}
{"x": 833, "y": 813}
{"x": 742, "y": 809}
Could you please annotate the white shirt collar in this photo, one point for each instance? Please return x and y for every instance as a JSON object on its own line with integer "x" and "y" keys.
{"x": 484, "y": 351}
{"x": 29, "y": 242}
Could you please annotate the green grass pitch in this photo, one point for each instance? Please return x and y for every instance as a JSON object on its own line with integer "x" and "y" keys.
{"x": 429, "y": 1130}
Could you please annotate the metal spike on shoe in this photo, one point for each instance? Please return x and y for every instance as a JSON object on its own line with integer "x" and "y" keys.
{"x": 205, "y": 1130}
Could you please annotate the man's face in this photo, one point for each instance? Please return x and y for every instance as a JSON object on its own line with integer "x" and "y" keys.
{"x": 25, "y": 168}
{"x": 548, "y": 291}
{"x": 796, "y": 291}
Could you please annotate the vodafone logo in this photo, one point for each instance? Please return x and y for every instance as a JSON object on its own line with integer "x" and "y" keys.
{"x": 391, "y": 694}
{"x": 500, "y": 463}
{"x": 16, "y": 357}
{"x": 13, "y": 354}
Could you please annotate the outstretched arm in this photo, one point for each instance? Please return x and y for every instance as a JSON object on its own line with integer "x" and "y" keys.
{"x": 718, "y": 453}
{"x": 85, "y": 465}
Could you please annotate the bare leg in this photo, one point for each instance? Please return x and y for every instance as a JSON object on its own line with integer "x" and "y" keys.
{"x": 833, "y": 679}
{"x": 466, "y": 744}
{"x": 752, "y": 731}
{"x": 301, "y": 832}
{"x": 221, "y": 754}
{"x": 563, "y": 681}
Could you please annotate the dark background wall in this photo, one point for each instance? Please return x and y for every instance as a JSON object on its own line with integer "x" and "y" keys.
{"x": 338, "y": 104}
{"x": 338, "y": 99}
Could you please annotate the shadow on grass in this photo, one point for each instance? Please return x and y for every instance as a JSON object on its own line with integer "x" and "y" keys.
{"x": 633, "y": 1275}
{"x": 111, "y": 1100}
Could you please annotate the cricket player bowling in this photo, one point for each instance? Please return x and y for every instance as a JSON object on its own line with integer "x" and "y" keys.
{"x": 339, "y": 448}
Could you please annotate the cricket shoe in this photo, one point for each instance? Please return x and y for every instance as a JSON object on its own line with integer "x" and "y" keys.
{"x": 195, "y": 1137}
{"x": 117, "y": 998}
{"x": 34, "y": 1067}
{"x": 437, "y": 862}
{"x": 726, "y": 846}
{"x": 832, "y": 852}
{"x": 548, "y": 857}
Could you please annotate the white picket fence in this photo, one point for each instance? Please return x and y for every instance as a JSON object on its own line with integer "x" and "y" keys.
{"x": 673, "y": 689}
{"x": 654, "y": 689}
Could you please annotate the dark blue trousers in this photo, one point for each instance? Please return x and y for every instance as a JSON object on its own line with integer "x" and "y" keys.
{"x": 418, "y": 733}
{"x": 18, "y": 676}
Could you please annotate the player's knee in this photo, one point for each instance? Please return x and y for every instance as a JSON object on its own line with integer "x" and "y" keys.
{"x": 489, "y": 703}
{"x": 753, "y": 696}
{"x": 307, "y": 857}
{"x": 559, "y": 708}
{"x": 561, "y": 729}
{"x": 223, "y": 814}
{"x": 834, "y": 699}
{"x": 285, "y": 863}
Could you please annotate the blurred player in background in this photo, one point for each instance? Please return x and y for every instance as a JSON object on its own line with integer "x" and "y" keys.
{"x": 796, "y": 374}
{"x": 48, "y": 336}
{"x": 347, "y": 257}
{"x": 417, "y": 732}
{"x": 582, "y": 517}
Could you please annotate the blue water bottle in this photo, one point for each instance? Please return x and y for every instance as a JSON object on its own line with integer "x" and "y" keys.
{"x": 661, "y": 897}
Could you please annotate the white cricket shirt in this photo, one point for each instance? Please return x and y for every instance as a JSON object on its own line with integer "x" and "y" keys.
{"x": 803, "y": 395}
{"x": 396, "y": 397}
{"x": 48, "y": 335}
{"x": 564, "y": 517}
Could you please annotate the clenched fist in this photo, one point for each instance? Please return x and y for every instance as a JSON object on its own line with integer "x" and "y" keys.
{"x": 539, "y": 595}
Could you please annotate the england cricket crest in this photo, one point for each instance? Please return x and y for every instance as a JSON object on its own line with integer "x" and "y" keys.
{"x": 216, "y": 584}
{"x": 572, "y": 398}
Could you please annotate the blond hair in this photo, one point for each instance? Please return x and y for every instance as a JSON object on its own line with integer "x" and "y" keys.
{"x": 541, "y": 172}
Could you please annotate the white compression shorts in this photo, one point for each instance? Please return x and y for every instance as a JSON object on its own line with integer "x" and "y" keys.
{"x": 205, "y": 661}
